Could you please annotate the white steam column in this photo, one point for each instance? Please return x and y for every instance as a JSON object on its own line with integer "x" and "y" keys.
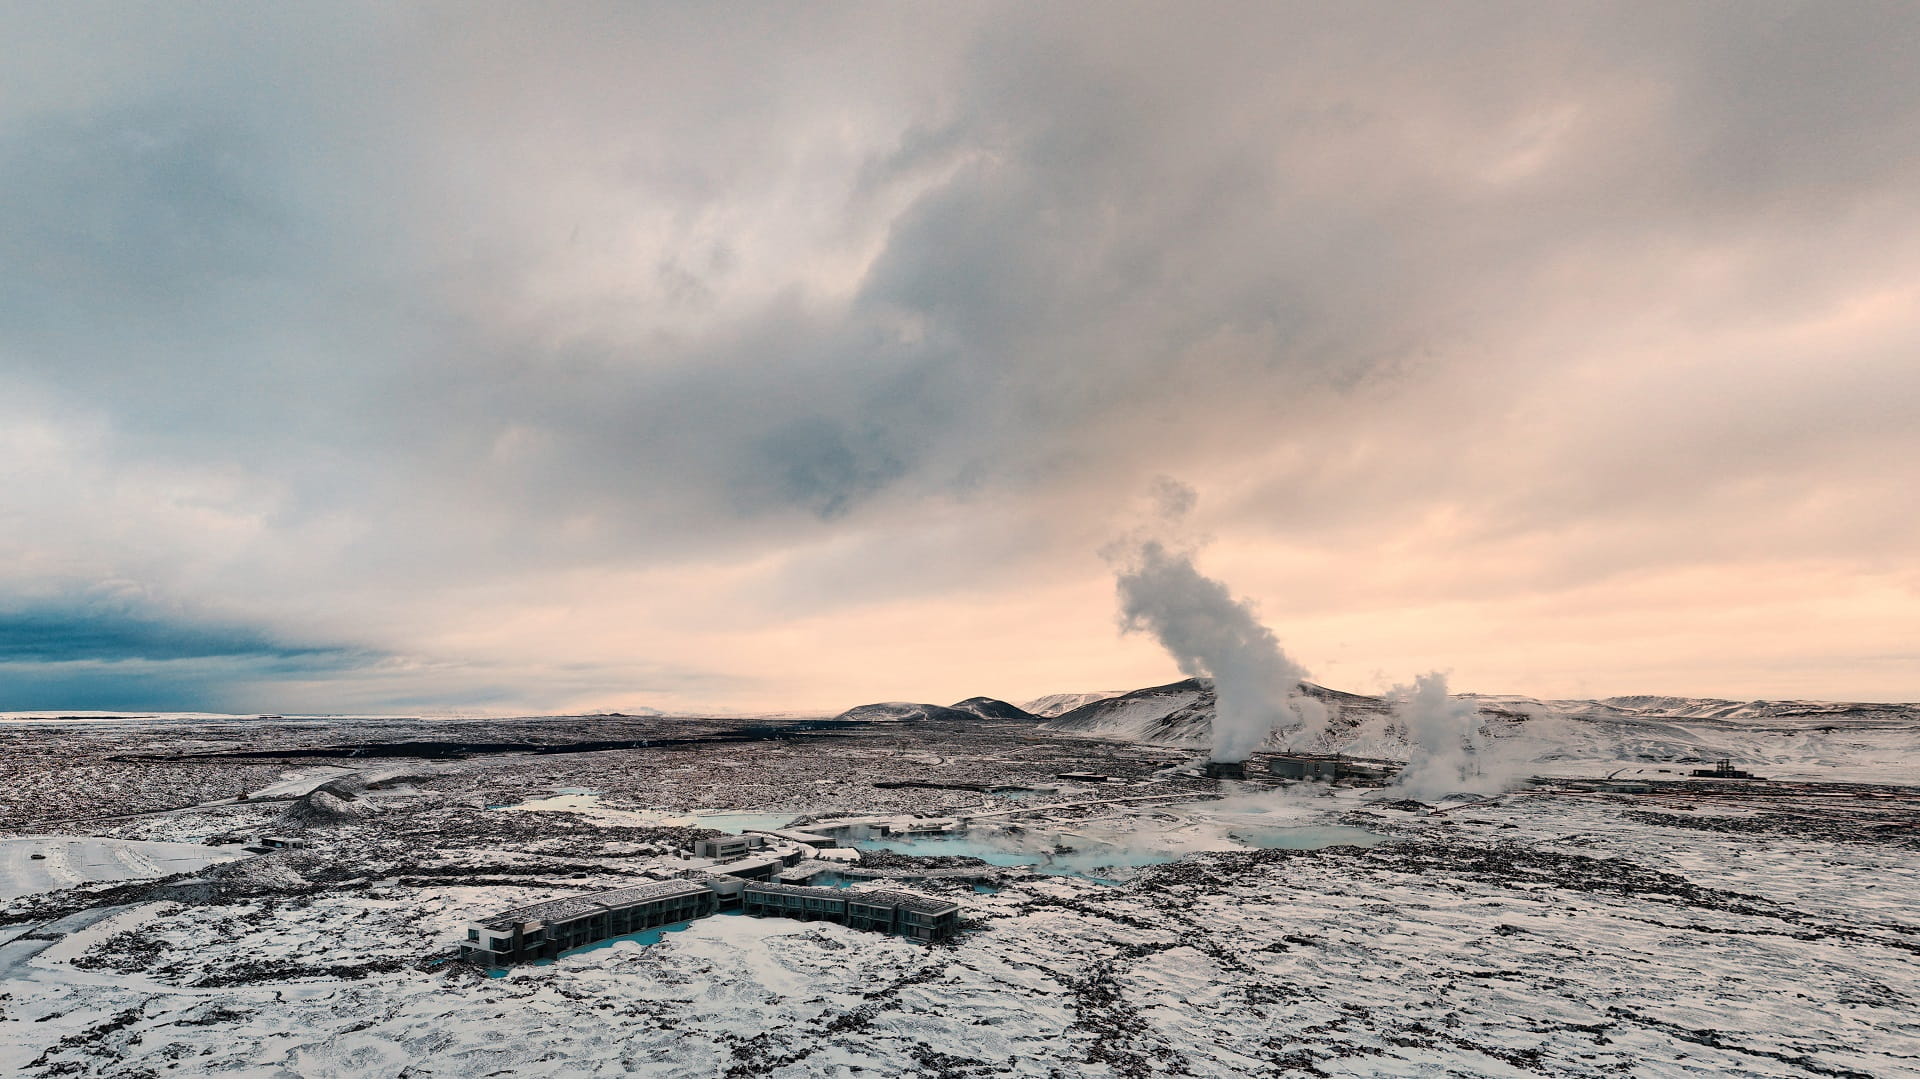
{"x": 1208, "y": 632}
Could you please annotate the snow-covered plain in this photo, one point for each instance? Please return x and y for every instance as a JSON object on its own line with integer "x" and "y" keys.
{"x": 65, "y": 861}
{"x": 1683, "y": 933}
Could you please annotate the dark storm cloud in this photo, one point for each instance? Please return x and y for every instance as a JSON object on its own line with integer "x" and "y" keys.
{"x": 94, "y": 687}
{"x": 66, "y": 634}
{"x": 101, "y": 655}
{"x": 396, "y": 308}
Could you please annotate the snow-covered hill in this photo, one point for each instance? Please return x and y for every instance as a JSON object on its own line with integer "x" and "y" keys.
{"x": 1719, "y": 709}
{"x": 1780, "y": 739}
{"x": 1181, "y": 714}
{"x": 1177, "y": 713}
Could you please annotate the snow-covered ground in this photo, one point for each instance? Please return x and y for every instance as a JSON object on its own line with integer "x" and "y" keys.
{"x": 1681, "y": 933}
{"x": 1535, "y": 937}
{"x": 66, "y": 861}
{"x": 297, "y": 782}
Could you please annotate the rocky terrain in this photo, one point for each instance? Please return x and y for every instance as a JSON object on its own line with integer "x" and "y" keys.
{"x": 1692, "y": 929}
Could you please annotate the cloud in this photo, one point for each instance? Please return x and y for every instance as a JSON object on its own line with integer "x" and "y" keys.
{"x": 56, "y": 635}
{"x": 100, "y": 654}
{"x": 384, "y": 328}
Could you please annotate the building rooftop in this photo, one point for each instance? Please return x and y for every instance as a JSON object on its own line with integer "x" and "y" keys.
{"x": 797, "y": 890}
{"x": 572, "y": 907}
{"x": 925, "y": 905}
{"x": 906, "y": 901}
{"x": 1343, "y": 759}
{"x": 749, "y": 865}
{"x": 799, "y": 836}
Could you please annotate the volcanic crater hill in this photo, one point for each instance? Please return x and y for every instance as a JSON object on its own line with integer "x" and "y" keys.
{"x": 993, "y": 709}
{"x": 1182, "y": 712}
{"x": 901, "y": 712}
{"x": 973, "y": 708}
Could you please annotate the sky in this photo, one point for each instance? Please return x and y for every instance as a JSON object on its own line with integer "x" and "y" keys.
{"x": 553, "y": 357}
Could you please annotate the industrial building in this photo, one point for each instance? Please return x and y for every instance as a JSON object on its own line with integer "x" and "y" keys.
{"x": 1724, "y": 770}
{"x": 884, "y": 910}
{"x": 1226, "y": 770}
{"x": 1326, "y": 768}
{"x": 543, "y": 931}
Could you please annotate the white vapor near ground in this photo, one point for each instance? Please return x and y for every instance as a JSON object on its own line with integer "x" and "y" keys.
{"x": 1451, "y": 747}
{"x": 1208, "y": 632}
{"x": 1446, "y": 739}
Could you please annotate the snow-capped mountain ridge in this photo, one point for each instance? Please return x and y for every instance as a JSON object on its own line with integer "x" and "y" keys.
{"x": 1781, "y": 738}
{"x": 1777, "y": 738}
{"x": 1055, "y": 704}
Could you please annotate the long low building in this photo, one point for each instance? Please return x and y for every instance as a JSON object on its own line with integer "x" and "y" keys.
{"x": 1327, "y": 768}
{"x": 798, "y": 836}
{"x": 542, "y": 931}
{"x": 545, "y": 930}
{"x": 922, "y": 918}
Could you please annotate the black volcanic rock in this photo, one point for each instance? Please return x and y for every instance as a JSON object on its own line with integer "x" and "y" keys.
{"x": 993, "y": 709}
{"x": 329, "y": 804}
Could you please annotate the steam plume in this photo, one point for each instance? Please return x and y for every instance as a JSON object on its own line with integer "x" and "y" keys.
{"x": 1445, "y": 737}
{"x": 1208, "y": 632}
{"x": 1451, "y": 748}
